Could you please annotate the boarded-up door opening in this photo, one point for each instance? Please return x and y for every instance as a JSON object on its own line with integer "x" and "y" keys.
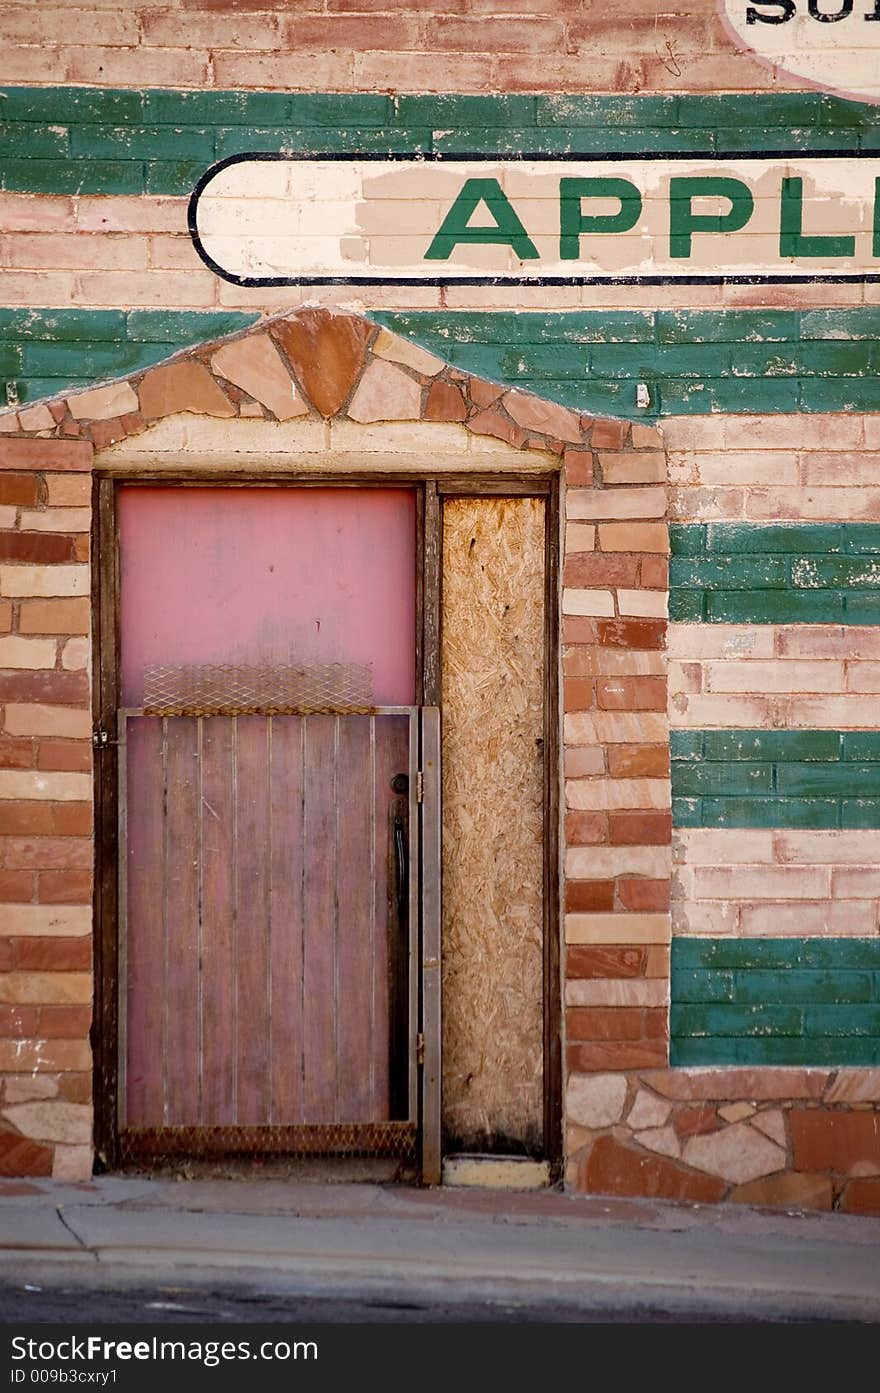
{"x": 268, "y": 747}
{"x": 493, "y": 692}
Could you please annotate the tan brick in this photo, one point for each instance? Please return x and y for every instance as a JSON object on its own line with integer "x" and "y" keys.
{"x": 398, "y": 350}
{"x": 37, "y": 417}
{"x": 16, "y": 652}
{"x": 626, "y": 468}
{"x": 44, "y": 1056}
{"x": 744, "y": 882}
{"x": 781, "y": 675}
{"x": 24, "y": 454}
{"x": 846, "y": 918}
{"x": 643, "y": 604}
{"x": 721, "y": 641}
{"x": 34, "y": 719}
{"x": 68, "y": 490}
{"x": 70, "y": 616}
{"x": 579, "y": 537}
{"x": 616, "y": 727}
{"x": 709, "y": 846}
{"x": 57, "y": 520}
{"x": 617, "y": 928}
{"x": 856, "y": 883}
{"x": 75, "y": 655}
{"x": 617, "y": 503}
{"x": 44, "y": 580}
{"x": 614, "y": 794}
{"x": 634, "y": 536}
{"x": 604, "y": 862}
{"x": 41, "y": 988}
{"x": 613, "y": 991}
{"x": 591, "y": 603}
{"x": 831, "y": 847}
{"x": 700, "y": 711}
{"x": 32, "y": 783}
{"x": 646, "y": 437}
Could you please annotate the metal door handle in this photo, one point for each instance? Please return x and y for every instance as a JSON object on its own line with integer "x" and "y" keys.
{"x": 401, "y": 865}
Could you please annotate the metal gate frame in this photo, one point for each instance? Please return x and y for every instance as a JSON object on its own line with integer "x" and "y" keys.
{"x": 417, "y": 1137}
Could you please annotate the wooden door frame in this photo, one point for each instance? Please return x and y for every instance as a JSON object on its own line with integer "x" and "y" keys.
{"x": 430, "y": 489}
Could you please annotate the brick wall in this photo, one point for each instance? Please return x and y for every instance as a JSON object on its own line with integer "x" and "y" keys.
{"x": 359, "y": 45}
{"x": 46, "y": 848}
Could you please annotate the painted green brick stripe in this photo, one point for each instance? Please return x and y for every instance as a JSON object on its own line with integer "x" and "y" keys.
{"x": 771, "y": 778}
{"x": 586, "y": 359}
{"x": 738, "y": 573}
{"x": 694, "y": 362}
{"x": 47, "y": 351}
{"x": 88, "y": 140}
{"x": 775, "y": 1001}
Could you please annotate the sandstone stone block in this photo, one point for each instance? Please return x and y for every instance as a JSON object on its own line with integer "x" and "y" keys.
{"x": 595, "y": 1101}
{"x": 737, "y": 1153}
{"x": 648, "y": 1111}
{"x": 52, "y": 1121}
{"x": 789, "y": 1189}
{"x": 255, "y": 365}
{"x": 182, "y": 386}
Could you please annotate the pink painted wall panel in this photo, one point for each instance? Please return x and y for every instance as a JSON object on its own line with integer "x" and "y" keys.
{"x": 266, "y": 576}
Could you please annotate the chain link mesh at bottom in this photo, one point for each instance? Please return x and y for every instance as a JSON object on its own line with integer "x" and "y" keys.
{"x": 340, "y": 1139}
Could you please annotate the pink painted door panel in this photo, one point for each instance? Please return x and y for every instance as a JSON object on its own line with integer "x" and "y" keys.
{"x": 268, "y": 577}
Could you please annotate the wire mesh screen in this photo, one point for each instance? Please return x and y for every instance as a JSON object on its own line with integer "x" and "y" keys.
{"x": 355, "y": 1140}
{"x": 227, "y": 689}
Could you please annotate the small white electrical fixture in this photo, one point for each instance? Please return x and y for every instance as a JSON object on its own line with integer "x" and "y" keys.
{"x": 643, "y": 396}
{"x": 12, "y": 394}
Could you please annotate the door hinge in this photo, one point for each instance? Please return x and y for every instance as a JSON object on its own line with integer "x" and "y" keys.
{"x": 100, "y": 739}
{"x": 420, "y": 1048}
{"x": 420, "y": 786}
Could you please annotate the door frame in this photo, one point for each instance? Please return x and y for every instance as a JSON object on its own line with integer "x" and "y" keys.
{"x": 430, "y": 489}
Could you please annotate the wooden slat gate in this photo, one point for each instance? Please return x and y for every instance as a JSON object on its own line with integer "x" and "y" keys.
{"x": 278, "y": 959}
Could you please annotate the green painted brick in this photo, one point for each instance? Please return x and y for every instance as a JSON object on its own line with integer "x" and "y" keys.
{"x": 836, "y": 572}
{"x": 779, "y": 109}
{"x": 172, "y": 178}
{"x": 820, "y": 394}
{"x": 792, "y": 1051}
{"x": 771, "y": 812}
{"x": 67, "y": 105}
{"x": 734, "y": 538}
{"x": 94, "y": 360}
{"x": 848, "y": 1020}
{"x": 729, "y": 573}
{"x": 573, "y": 140}
{"x": 771, "y": 744}
{"x": 749, "y": 360}
{"x": 722, "y": 1019}
{"x": 686, "y": 744}
{"x": 671, "y": 360}
{"x": 861, "y": 745}
{"x": 10, "y": 360}
{"x": 794, "y": 986}
{"x": 776, "y": 607}
{"x": 142, "y": 143}
{"x": 808, "y": 954}
{"x": 185, "y": 326}
{"x": 699, "y": 986}
{"x": 164, "y": 107}
{"x": 459, "y": 109}
{"x": 34, "y": 388}
{"x": 856, "y": 323}
{"x": 687, "y": 539}
{"x": 687, "y": 812}
{"x": 837, "y": 358}
{"x": 26, "y": 140}
{"x": 730, "y": 327}
{"x": 51, "y": 325}
{"x": 319, "y": 140}
{"x": 840, "y": 779}
{"x": 731, "y": 779}
{"x": 862, "y": 609}
{"x": 71, "y": 176}
{"x": 512, "y": 329}
{"x": 860, "y": 812}
{"x": 836, "y": 111}
{"x": 686, "y": 606}
{"x": 748, "y": 395}
{"x": 640, "y": 112}
{"x": 861, "y": 537}
{"x": 535, "y": 361}
{"x": 799, "y": 139}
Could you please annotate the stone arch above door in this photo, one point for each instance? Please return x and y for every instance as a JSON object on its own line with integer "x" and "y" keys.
{"x": 330, "y": 390}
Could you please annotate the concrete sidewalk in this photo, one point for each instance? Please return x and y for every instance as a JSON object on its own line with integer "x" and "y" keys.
{"x": 537, "y": 1246}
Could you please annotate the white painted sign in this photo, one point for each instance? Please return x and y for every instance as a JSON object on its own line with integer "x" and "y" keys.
{"x": 832, "y": 44}
{"x": 277, "y": 220}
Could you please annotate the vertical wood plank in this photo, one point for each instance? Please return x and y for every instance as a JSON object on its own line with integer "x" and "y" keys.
{"x": 109, "y": 1005}
{"x": 431, "y": 1002}
{"x": 319, "y": 920}
{"x": 286, "y": 919}
{"x": 389, "y": 962}
{"x": 356, "y": 922}
{"x": 252, "y": 918}
{"x": 182, "y": 985}
{"x": 145, "y": 852}
{"x": 219, "y": 1042}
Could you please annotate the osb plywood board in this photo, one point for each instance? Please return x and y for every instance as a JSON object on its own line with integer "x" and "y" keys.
{"x": 492, "y": 706}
